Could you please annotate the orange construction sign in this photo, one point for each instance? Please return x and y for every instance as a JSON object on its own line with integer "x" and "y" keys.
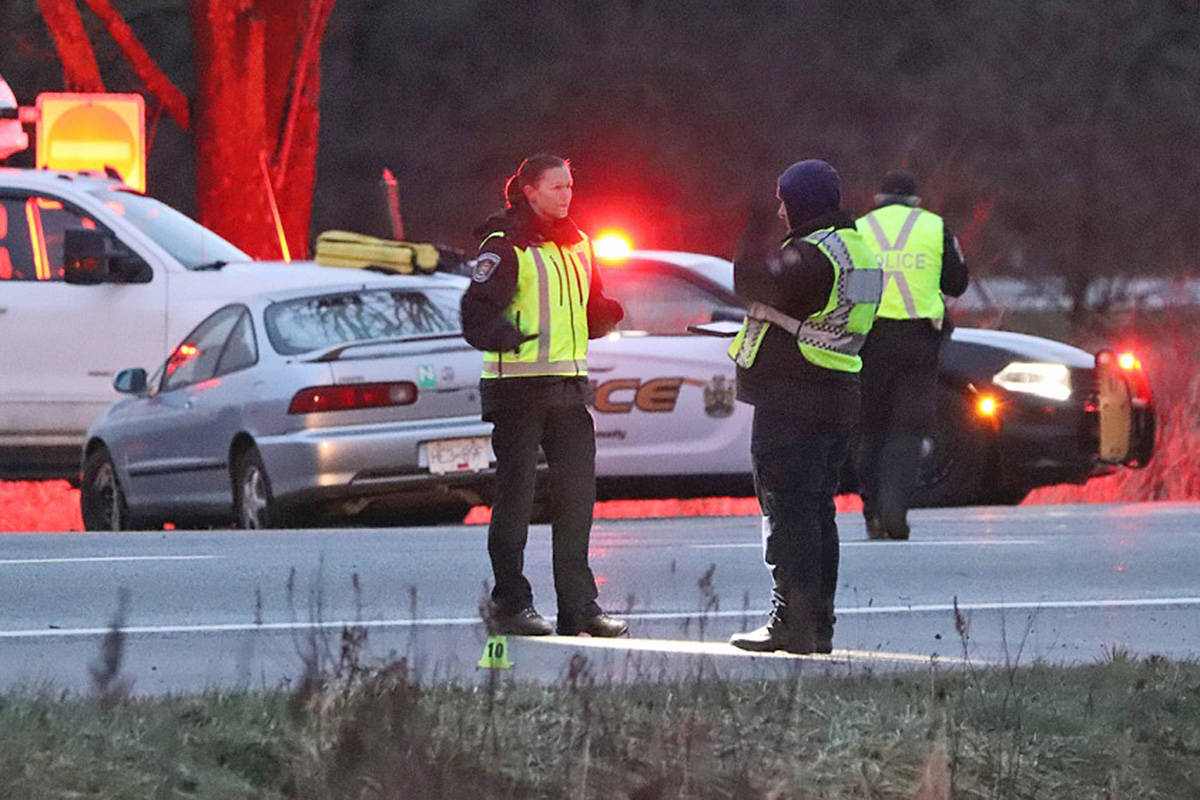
{"x": 91, "y": 131}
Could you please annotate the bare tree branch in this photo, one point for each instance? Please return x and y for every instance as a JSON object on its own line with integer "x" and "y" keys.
{"x": 80, "y": 70}
{"x": 169, "y": 95}
{"x": 318, "y": 18}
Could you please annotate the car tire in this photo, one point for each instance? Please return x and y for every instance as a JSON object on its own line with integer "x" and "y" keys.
{"x": 254, "y": 504}
{"x": 955, "y": 458}
{"x": 102, "y": 500}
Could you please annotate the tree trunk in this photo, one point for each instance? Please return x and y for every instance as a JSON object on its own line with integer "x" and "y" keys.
{"x": 230, "y": 125}
{"x": 293, "y": 110}
{"x": 80, "y": 71}
{"x": 257, "y": 93}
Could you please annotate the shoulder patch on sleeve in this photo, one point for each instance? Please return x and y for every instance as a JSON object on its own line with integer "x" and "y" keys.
{"x": 485, "y": 265}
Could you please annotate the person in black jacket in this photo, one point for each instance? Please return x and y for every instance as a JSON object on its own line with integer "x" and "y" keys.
{"x": 797, "y": 355}
{"x": 534, "y": 300}
{"x": 924, "y": 263}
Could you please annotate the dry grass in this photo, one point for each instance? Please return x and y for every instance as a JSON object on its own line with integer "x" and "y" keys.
{"x": 1124, "y": 728}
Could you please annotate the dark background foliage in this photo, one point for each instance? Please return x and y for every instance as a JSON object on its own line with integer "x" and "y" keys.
{"x": 1057, "y": 136}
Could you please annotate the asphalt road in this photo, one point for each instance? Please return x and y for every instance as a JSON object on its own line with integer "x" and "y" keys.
{"x": 1063, "y": 584}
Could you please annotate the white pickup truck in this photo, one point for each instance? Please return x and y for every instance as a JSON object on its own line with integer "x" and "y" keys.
{"x": 94, "y": 278}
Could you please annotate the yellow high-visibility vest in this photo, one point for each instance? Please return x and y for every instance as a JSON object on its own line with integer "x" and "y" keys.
{"x": 907, "y": 243}
{"x": 832, "y": 337}
{"x": 551, "y": 301}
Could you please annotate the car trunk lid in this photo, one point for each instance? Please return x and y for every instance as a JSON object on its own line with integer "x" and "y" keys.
{"x": 445, "y": 372}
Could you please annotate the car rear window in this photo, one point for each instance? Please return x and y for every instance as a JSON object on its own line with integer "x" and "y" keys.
{"x": 314, "y": 323}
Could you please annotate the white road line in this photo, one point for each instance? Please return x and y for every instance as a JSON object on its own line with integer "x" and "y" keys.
{"x": 880, "y": 544}
{"x": 1029, "y": 605}
{"x": 435, "y": 622}
{"x": 100, "y": 559}
{"x": 688, "y": 647}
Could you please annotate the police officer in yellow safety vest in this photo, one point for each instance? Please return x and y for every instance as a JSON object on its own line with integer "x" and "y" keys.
{"x": 534, "y": 300}
{"x": 810, "y": 306}
{"x": 922, "y": 262}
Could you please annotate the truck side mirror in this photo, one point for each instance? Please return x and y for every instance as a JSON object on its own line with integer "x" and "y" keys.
{"x": 85, "y": 256}
{"x": 130, "y": 381}
{"x": 91, "y": 256}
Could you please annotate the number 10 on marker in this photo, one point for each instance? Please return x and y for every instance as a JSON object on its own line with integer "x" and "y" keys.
{"x": 495, "y": 653}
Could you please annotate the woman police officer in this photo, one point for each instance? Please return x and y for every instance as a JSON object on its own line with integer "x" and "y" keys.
{"x": 534, "y": 300}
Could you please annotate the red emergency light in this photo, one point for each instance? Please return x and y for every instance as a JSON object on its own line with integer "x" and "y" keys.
{"x": 612, "y": 246}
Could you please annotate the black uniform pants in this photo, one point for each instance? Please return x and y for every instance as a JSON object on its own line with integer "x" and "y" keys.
{"x": 567, "y": 435}
{"x": 899, "y": 397}
{"x": 796, "y": 469}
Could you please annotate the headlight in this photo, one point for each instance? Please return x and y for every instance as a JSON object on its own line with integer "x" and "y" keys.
{"x": 1052, "y": 381}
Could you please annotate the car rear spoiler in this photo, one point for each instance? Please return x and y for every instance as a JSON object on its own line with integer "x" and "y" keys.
{"x": 334, "y": 353}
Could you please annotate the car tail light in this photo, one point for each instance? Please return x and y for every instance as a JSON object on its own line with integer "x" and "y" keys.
{"x": 347, "y": 396}
{"x": 1139, "y": 383}
{"x": 1130, "y": 366}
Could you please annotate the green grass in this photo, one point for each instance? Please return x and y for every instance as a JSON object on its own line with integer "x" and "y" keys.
{"x": 1121, "y": 728}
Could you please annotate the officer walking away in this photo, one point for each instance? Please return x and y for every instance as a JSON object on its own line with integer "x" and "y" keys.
{"x": 534, "y": 300}
{"x": 811, "y": 305}
{"x": 921, "y": 261}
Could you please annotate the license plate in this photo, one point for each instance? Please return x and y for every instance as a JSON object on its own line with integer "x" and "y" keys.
{"x": 459, "y": 455}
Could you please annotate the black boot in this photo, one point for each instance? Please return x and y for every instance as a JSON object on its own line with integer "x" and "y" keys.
{"x": 789, "y": 625}
{"x": 895, "y": 524}
{"x": 897, "y": 478}
{"x": 875, "y": 529}
{"x": 823, "y": 625}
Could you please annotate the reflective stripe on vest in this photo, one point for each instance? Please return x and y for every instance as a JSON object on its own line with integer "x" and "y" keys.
{"x": 553, "y": 283}
{"x": 912, "y": 261}
{"x": 832, "y": 337}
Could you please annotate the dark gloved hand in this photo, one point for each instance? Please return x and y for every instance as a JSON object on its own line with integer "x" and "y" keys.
{"x": 604, "y": 314}
{"x": 513, "y": 339}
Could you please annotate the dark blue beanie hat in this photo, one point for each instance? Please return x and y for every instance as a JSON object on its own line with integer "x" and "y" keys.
{"x": 809, "y": 189}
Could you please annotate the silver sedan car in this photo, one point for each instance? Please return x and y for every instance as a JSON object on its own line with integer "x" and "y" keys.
{"x": 287, "y": 408}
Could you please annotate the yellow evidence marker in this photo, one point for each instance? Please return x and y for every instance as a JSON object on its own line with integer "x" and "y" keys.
{"x": 495, "y": 653}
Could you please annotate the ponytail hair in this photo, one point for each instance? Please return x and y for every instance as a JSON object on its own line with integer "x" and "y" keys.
{"x": 528, "y": 174}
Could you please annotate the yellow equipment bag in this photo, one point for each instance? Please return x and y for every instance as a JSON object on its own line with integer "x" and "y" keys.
{"x": 356, "y": 250}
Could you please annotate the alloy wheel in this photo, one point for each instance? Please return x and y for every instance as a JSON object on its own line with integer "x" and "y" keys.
{"x": 254, "y": 500}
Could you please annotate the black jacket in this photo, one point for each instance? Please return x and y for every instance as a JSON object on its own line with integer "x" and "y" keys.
{"x": 797, "y": 281}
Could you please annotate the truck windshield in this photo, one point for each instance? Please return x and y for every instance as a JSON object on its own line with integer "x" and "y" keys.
{"x": 189, "y": 242}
